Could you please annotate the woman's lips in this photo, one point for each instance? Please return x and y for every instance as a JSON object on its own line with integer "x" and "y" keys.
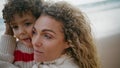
{"x": 36, "y": 51}
{"x": 38, "y": 55}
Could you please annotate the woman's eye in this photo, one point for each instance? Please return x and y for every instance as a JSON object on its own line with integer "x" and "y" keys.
{"x": 34, "y": 31}
{"x": 48, "y": 36}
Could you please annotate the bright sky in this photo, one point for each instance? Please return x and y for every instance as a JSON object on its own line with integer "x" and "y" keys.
{"x": 78, "y": 2}
{"x": 74, "y": 2}
{"x": 2, "y": 2}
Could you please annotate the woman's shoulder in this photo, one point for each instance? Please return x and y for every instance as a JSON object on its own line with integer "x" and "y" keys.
{"x": 68, "y": 63}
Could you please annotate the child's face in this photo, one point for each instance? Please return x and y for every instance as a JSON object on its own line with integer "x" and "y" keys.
{"x": 22, "y": 27}
{"x": 48, "y": 39}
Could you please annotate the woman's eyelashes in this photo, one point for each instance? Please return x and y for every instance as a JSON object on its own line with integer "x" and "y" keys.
{"x": 33, "y": 31}
{"x": 47, "y": 36}
{"x": 42, "y": 35}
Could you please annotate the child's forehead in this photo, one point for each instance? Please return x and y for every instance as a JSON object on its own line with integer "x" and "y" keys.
{"x": 21, "y": 18}
{"x": 21, "y": 14}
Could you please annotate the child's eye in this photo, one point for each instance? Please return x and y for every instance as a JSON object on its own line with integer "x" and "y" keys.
{"x": 14, "y": 27}
{"x": 28, "y": 23}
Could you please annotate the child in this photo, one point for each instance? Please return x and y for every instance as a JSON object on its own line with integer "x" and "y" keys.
{"x": 20, "y": 15}
{"x": 62, "y": 38}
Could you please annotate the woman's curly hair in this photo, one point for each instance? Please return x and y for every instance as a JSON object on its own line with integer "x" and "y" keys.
{"x": 21, "y": 7}
{"x": 77, "y": 32}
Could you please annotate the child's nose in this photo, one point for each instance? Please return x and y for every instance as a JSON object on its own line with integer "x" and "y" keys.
{"x": 21, "y": 30}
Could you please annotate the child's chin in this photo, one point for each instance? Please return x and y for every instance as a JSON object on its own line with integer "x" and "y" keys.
{"x": 29, "y": 45}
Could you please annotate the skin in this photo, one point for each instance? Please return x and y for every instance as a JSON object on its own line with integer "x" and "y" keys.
{"x": 48, "y": 39}
{"x": 22, "y": 28}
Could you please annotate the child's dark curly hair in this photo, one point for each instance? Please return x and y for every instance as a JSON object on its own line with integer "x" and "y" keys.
{"x": 21, "y": 7}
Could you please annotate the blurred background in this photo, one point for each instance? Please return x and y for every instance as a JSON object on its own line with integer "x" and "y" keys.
{"x": 105, "y": 22}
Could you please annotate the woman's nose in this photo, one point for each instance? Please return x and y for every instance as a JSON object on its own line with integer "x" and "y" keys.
{"x": 36, "y": 42}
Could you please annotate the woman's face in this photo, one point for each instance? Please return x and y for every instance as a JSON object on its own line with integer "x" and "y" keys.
{"x": 48, "y": 39}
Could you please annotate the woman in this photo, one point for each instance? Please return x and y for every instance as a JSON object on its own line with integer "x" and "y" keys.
{"x": 62, "y": 38}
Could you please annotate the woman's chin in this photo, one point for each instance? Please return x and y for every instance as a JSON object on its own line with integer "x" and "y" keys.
{"x": 37, "y": 59}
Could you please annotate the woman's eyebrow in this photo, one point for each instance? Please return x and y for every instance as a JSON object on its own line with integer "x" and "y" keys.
{"x": 44, "y": 30}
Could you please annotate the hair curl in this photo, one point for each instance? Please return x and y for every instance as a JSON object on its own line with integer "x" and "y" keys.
{"x": 77, "y": 32}
{"x": 21, "y": 7}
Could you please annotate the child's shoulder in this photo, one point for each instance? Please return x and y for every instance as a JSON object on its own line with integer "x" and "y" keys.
{"x": 22, "y": 47}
